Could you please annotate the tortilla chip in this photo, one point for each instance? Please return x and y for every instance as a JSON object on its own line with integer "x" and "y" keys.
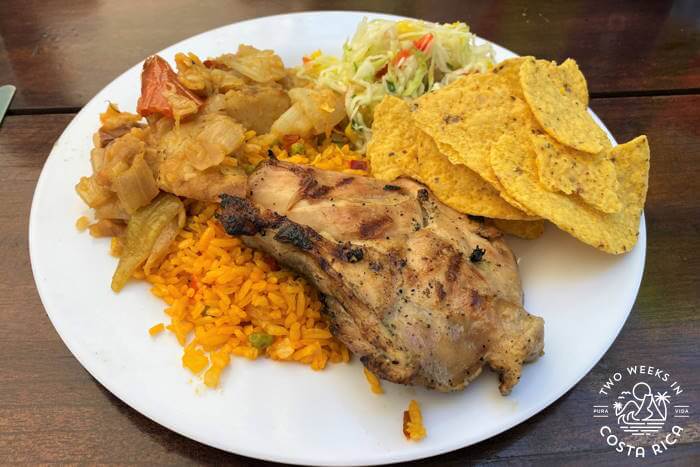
{"x": 509, "y": 70}
{"x": 574, "y": 81}
{"x": 399, "y": 148}
{"x": 509, "y": 199}
{"x": 393, "y": 149}
{"x": 591, "y": 176}
{"x": 558, "y": 111}
{"x": 454, "y": 157}
{"x": 459, "y": 187}
{"x": 468, "y": 116}
{"x": 528, "y": 230}
{"x": 513, "y": 160}
{"x": 568, "y": 71}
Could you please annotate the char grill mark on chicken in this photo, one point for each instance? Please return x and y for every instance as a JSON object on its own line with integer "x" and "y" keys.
{"x": 394, "y": 267}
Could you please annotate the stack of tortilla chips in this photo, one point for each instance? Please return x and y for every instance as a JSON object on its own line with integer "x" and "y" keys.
{"x": 517, "y": 144}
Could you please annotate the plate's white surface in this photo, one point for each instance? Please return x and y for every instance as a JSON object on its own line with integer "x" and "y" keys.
{"x": 286, "y": 412}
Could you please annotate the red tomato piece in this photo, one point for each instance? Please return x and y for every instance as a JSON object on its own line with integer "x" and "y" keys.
{"x": 156, "y": 77}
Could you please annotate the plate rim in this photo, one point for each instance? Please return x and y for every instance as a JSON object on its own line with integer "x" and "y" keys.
{"x": 390, "y": 458}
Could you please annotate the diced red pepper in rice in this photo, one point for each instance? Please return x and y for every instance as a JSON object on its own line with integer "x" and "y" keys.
{"x": 358, "y": 165}
{"x": 288, "y": 140}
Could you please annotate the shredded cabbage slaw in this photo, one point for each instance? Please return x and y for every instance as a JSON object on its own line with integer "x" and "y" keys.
{"x": 404, "y": 58}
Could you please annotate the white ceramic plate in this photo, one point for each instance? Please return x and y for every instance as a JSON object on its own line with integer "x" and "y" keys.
{"x": 286, "y": 412}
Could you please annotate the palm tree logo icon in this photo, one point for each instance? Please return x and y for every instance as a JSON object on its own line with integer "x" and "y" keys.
{"x": 644, "y": 413}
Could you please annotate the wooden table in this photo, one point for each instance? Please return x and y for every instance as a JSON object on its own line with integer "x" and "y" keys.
{"x": 642, "y": 60}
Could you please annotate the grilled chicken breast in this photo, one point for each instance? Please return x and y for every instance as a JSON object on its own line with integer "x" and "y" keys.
{"x": 422, "y": 294}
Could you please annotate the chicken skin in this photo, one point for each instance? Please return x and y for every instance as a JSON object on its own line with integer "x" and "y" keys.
{"x": 422, "y": 294}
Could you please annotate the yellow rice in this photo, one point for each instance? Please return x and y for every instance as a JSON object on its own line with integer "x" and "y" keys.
{"x": 219, "y": 293}
{"x": 82, "y": 223}
{"x": 374, "y": 384}
{"x": 330, "y": 157}
{"x": 326, "y": 155}
{"x": 413, "y": 427}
